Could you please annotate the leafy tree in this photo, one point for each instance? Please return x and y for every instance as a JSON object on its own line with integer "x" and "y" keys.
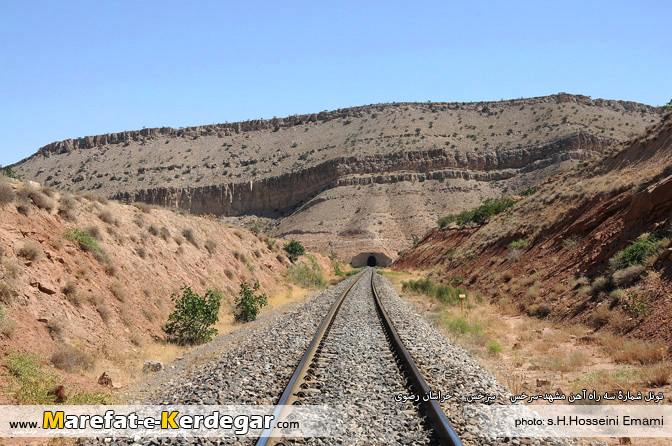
{"x": 668, "y": 106}
{"x": 248, "y": 304}
{"x": 192, "y": 320}
{"x": 294, "y": 250}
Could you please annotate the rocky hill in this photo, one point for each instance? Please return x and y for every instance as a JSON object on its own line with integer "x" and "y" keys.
{"x": 87, "y": 282}
{"x": 363, "y": 178}
{"x": 591, "y": 246}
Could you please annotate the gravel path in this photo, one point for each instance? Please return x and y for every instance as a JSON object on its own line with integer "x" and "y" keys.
{"x": 362, "y": 383}
{"x": 358, "y": 373}
{"x": 447, "y": 367}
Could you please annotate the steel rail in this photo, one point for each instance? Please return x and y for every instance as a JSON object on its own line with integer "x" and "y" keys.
{"x": 444, "y": 431}
{"x": 268, "y": 436}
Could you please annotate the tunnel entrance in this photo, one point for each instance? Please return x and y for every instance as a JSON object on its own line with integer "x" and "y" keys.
{"x": 370, "y": 259}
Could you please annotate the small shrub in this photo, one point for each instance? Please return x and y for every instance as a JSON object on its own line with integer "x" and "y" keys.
{"x": 71, "y": 359}
{"x": 647, "y": 245}
{"x": 178, "y": 239}
{"x": 189, "y": 235}
{"x": 66, "y": 207}
{"x": 228, "y": 273}
{"x": 628, "y": 276}
{"x": 118, "y": 291}
{"x": 153, "y": 230}
{"x": 83, "y": 238}
{"x": 144, "y": 207}
{"x": 238, "y": 234}
{"x": 29, "y": 193}
{"x": 193, "y": 317}
{"x": 164, "y": 233}
{"x": 270, "y": 243}
{"x": 95, "y": 232}
{"x": 24, "y": 208}
{"x": 294, "y": 249}
{"x": 7, "y": 293}
{"x": 570, "y": 243}
{"x": 210, "y": 246}
{"x": 142, "y": 253}
{"x": 519, "y": 244}
{"x": 507, "y": 276}
{"x": 489, "y": 208}
{"x": 70, "y": 289}
{"x": 514, "y": 255}
{"x": 494, "y": 348}
{"x": 658, "y": 375}
{"x": 31, "y": 251}
{"x": 601, "y": 285}
{"x": 7, "y": 194}
{"x": 249, "y": 304}
{"x": 101, "y": 308}
{"x": 240, "y": 257}
{"x": 107, "y": 217}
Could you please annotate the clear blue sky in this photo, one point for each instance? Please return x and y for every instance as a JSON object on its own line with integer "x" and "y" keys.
{"x": 77, "y": 68}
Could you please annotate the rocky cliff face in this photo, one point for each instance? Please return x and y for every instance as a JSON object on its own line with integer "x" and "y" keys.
{"x": 277, "y": 196}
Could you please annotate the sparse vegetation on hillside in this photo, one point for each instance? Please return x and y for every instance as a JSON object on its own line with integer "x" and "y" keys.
{"x": 192, "y": 320}
{"x": 308, "y": 276}
{"x": 489, "y": 208}
{"x": 248, "y": 304}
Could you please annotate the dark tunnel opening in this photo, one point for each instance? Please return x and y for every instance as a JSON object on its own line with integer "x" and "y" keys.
{"x": 371, "y": 261}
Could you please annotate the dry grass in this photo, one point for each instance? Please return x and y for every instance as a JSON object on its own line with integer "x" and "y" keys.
{"x": 28, "y": 193}
{"x": 107, "y": 217}
{"x": 71, "y": 359}
{"x": 633, "y": 351}
{"x": 24, "y": 208}
{"x": 7, "y": 293}
{"x": 144, "y": 207}
{"x": 189, "y": 235}
{"x": 164, "y": 233}
{"x": 118, "y": 291}
{"x": 101, "y": 307}
{"x": 31, "y": 251}
{"x": 66, "y": 207}
{"x": 657, "y": 375}
{"x": 210, "y": 246}
{"x": 562, "y": 363}
{"x": 7, "y": 194}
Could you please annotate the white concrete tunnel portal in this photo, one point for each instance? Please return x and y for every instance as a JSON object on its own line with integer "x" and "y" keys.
{"x": 370, "y": 259}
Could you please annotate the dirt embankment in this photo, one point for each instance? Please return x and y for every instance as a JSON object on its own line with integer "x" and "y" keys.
{"x": 92, "y": 278}
{"x": 555, "y": 254}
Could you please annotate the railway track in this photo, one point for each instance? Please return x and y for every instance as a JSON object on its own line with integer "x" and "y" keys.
{"x": 356, "y": 356}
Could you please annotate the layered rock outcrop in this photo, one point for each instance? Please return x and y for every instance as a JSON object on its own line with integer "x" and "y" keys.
{"x": 276, "y": 196}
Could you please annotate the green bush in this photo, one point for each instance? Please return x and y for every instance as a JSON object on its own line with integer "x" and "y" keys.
{"x": 248, "y": 304}
{"x": 519, "y": 244}
{"x": 444, "y": 293}
{"x": 637, "y": 252}
{"x": 494, "y": 347}
{"x": 294, "y": 249}
{"x": 191, "y": 321}
{"x": 83, "y": 238}
{"x": 530, "y": 191}
{"x": 489, "y": 208}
